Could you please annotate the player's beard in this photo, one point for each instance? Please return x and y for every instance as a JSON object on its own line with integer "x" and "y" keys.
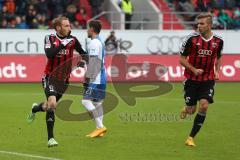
{"x": 202, "y": 31}
{"x": 69, "y": 33}
{"x": 65, "y": 34}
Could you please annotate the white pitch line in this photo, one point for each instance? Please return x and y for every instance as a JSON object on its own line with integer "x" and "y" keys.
{"x": 28, "y": 155}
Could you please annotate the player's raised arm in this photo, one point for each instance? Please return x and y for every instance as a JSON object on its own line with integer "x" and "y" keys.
{"x": 50, "y": 49}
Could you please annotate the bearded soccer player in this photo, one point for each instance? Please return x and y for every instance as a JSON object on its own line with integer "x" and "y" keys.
{"x": 59, "y": 50}
{"x": 95, "y": 79}
{"x": 201, "y": 56}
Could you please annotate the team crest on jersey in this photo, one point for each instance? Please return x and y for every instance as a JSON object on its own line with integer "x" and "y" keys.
{"x": 214, "y": 45}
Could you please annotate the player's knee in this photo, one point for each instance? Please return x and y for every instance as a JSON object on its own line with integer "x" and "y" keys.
{"x": 50, "y": 110}
{"x": 88, "y": 104}
{"x": 52, "y": 104}
{"x": 203, "y": 105}
{"x": 85, "y": 102}
{"x": 98, "y": 104}
{"x": 203, "y": 109}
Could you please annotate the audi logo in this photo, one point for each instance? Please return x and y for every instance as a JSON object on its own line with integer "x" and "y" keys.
{"x": 204, "y": 52}
{"x": 164, "y": 44}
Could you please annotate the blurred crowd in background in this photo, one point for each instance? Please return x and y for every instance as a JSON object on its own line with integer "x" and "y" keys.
{"x": 38, "y": 14}
{"x": 225, "y": 12}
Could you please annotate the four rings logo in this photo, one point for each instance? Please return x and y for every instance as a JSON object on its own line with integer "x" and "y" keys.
{"x": 62, "y": 52}
{"x": 164, "y": 44}
{"x": 204, "y": 52}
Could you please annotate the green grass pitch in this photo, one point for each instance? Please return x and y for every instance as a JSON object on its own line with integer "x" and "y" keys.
{"x": 127, "y": 138}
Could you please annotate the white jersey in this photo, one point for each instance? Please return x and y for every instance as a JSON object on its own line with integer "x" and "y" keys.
{"x": 96, "y": 48}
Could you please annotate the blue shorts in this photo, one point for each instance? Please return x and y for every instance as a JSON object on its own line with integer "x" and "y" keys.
{"x": 94, "y": 92}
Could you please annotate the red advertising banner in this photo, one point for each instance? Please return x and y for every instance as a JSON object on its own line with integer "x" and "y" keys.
{"x": 131, "y": 68}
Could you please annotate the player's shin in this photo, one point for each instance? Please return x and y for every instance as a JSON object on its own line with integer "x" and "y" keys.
{"x": 92, "y": 109}
{"x": 50, "y": 119}
{"x": 99, "y": 108}
{"x": 198, "y": 122}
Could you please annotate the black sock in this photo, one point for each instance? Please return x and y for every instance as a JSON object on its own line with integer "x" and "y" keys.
{"x": 38, "y": 108}
{"x": 198, "y": 122}
{"x": 50, "y": 119}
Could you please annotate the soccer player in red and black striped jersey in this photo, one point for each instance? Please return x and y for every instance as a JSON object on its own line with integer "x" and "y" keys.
{"x": 59, "y": 49}
{"x": 201, "y": 56}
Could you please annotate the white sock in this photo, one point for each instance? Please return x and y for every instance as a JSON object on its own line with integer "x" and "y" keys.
{"x": 91, "y": 108}
{"x": 99, "y": 108}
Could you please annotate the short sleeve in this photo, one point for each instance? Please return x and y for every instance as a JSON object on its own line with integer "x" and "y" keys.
{"x": 47, "y": 42}
{"x": 186, "y": 45}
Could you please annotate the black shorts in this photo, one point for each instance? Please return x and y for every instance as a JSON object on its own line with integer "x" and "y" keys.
{"x": 56, "y": 89}
{"x": 196, "y": 90}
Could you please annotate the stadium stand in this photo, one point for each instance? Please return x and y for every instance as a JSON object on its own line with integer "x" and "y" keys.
{"x": 37, "y": 14}
{"x": 87, "y": 6}
{"x": 226, "y": 13}
{"x": 168, "y": 16}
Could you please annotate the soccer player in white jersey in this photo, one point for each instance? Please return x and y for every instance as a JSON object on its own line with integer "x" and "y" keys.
{"x": 95, "y": 79}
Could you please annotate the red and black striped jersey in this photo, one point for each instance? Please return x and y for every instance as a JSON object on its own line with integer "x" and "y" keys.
{"x": 202, "y": 54}
{"x": 59, "y": 55}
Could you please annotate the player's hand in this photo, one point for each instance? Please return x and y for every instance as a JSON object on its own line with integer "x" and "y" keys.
{"x": 216, "y": 76}
{"x": 198, "y": 72}
{"x": 66, "y": 41}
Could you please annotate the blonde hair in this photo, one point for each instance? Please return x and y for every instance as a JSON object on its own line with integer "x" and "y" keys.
{"x": 58, "y": 21}
{"x": 205, "y": 15}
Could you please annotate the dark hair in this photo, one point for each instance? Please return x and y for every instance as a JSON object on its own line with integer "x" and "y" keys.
{"x": 58, "y": 21}
{"x": 96, "y": 25}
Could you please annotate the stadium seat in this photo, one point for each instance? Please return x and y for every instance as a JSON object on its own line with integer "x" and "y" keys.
{"x": 167, "y": 17}
{"x": 105, "y": 23}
